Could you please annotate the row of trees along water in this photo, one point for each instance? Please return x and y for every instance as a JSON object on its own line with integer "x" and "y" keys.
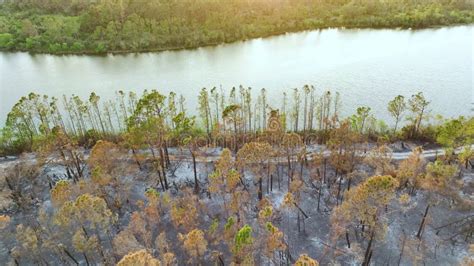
{"x": 225, "y": 121}
{"x": 119, "y": 26}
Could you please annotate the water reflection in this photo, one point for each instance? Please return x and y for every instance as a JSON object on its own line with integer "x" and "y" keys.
{"x": 368, "y": 67}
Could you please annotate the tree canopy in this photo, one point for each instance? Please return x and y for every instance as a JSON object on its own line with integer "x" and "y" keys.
{"x": 122, "y": 26}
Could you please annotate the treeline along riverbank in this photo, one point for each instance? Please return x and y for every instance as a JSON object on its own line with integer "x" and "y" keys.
{"x": 137, "y": 26}
{"x": 225, "y": 119}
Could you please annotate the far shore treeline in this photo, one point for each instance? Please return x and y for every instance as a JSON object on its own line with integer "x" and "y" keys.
{"x": 226, "y": 119}
{"x": 72, "y": 26}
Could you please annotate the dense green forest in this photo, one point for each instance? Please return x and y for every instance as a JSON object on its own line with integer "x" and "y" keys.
{"x": 76, "y": 26}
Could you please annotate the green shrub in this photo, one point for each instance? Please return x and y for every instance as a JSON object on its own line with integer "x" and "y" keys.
{"x": 6, "y": 40}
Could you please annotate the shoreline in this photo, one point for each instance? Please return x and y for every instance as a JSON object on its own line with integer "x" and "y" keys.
{"x": 190, "y": 48}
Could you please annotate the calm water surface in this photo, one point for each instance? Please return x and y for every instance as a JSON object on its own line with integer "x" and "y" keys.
{"x": 368, "y": 67}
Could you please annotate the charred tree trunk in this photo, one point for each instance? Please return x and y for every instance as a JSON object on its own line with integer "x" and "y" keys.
{"x": 162, "y": 158}
{"x": 402, "y": 249}
{"x": 319, "y": 194}
{"x": 167, "y": 156}
{"x": 423, "y": 221}
{"x": 163, "y": 168}
{"x": 85, "y": 257}
{"x": 196, "y": 184}
{"x": 271, "y": 182}
{"x": 164, "y": 178}
{"x": 161, "y": 180}
{"x": 301, "y": 210}
{"x": 70, "y": 256}
{"x": 136, "y": 159}
{"x": 347, "y": 240}
{"x": 338, "y": 190}
{"x": 368, "y": 251}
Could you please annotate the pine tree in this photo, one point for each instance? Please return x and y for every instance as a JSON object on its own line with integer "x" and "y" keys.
{"x": 396, "y": 108}
{"x": 141, "y": 257}
{"x": 194, "y": 244}
{"x": 365, "y": 207}
{"x": 305, "y": 260}
{"x": 257, "y": 156}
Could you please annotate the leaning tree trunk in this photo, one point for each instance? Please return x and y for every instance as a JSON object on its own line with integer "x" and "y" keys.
{"x": 423, "y": 221}
{"x": 136, "y": 159}
{"x": 70, "y": 256}
{"x": 368, "y": 251}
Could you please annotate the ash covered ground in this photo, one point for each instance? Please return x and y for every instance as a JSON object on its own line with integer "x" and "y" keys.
{"x": 446, "y": 237}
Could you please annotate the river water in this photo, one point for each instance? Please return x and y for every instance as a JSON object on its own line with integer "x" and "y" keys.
{"x": 367, "y": 67}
